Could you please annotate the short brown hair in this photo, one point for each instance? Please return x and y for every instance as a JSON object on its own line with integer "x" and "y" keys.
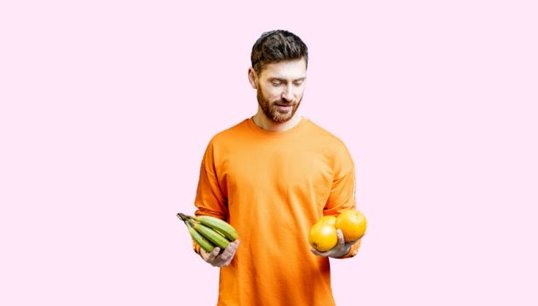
{"x": 275, "y": 46}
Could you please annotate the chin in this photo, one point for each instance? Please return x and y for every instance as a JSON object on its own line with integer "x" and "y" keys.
{"x": 282, "y": 119}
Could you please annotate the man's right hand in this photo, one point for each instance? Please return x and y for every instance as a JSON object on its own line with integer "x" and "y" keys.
{"x": 220, "y": 260}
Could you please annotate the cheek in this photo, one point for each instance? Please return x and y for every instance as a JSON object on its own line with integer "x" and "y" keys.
{"x": 271, "y": 94}
{"x": 298, "y": 92}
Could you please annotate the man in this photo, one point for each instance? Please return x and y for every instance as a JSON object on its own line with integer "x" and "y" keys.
{"x": 272, "y": 176}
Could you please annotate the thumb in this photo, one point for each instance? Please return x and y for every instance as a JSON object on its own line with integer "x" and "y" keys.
{"x": 341, "y": 239}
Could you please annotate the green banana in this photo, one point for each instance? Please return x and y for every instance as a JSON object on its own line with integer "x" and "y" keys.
{"x": 209, "y": 232}
{"x": 201, "y": 240}
{"x": 219, "y": 226}
{"x": 211, "y": 235}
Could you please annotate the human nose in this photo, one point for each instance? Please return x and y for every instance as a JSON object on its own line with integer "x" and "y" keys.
{"x": 287, "y": 94}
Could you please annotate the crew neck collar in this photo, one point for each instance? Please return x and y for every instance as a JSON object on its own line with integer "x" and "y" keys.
{"x": 294, "y": 129}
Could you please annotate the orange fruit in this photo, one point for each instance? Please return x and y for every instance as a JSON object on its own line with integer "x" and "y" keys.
{"x": 352, "y": 223}
{"x": 322, "y": 236}
{"x": 331, "y": 220}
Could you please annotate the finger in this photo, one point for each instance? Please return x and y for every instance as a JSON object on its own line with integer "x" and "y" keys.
{"x": 232, "y": 247}
{"x": 203, "y": 253}
{"x": 341, "y": 239}
{"x": 318, "y": 253}
{"x": 236, "y": 243}
{"x": 222, "y": 262}
{"x": 227, "y": 262}
{"x": 213, "y": 255}
{"x": 227, "y": 254}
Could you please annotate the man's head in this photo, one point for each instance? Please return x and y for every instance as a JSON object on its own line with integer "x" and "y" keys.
{"x": 276, "y": 46}
{"x": 279, "y": 61}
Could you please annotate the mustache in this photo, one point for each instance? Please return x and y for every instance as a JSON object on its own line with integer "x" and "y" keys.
{"x": 284, "y": 102}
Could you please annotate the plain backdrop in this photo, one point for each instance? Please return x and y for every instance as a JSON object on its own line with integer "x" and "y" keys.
{"x": 106, "y": 108}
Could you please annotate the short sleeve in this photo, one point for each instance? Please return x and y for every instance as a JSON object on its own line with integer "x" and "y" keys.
{"x": 342, "y": 194}
{"x": 210, "y": 198}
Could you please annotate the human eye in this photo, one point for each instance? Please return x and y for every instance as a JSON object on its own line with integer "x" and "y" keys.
{"x": 298, "y": 82}
{"x": 276, "y": 83}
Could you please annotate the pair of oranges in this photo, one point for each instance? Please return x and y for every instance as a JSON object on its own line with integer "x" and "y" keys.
{"x": 322, "y": 235}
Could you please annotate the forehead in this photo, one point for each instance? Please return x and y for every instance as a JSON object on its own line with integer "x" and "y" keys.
{"x": 292, "y": 69}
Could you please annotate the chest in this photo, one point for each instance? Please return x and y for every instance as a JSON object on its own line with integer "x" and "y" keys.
{"x": 283, "y": 170}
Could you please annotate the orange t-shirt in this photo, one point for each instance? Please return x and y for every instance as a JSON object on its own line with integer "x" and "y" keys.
{"x": 272, "y": 187}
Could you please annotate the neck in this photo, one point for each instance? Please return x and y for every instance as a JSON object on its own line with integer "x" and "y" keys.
{"x": 267, "y": 124}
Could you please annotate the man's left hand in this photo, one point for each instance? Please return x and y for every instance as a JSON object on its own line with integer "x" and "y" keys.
{"x": 340, "y": 250}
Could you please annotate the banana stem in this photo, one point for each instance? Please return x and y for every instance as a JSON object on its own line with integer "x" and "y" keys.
{"x": 184, "y": 218}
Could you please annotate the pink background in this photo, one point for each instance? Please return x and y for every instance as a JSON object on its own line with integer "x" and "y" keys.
{"x": 106, "y": 108}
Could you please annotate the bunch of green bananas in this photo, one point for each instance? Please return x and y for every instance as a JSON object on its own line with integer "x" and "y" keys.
{"x": 209, "y": 232}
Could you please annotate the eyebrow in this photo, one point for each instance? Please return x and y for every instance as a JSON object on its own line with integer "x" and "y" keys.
{"x": 285, "y": 80}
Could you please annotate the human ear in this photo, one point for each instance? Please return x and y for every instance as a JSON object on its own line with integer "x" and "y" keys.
{"x": 252, "y": 78}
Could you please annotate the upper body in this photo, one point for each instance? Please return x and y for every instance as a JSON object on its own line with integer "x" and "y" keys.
{"x": 272, "y": 177}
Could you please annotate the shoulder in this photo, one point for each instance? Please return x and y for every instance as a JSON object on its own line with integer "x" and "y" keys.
{"x": 230, "y": 134}
{"x": 328, "y": 138}
{"x": 333, "y": 148}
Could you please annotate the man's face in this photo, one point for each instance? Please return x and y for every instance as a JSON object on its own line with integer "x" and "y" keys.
{"x": 280, "y": 88}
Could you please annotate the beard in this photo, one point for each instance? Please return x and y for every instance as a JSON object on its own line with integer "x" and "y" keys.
{"x": 271, "y": 110}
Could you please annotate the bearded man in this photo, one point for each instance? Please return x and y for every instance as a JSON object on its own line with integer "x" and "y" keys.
{"x": 272, "y": 176}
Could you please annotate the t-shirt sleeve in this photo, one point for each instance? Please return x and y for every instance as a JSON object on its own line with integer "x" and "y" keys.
{"x": 342, "y": 194}
{"x": 210, "y": 198}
